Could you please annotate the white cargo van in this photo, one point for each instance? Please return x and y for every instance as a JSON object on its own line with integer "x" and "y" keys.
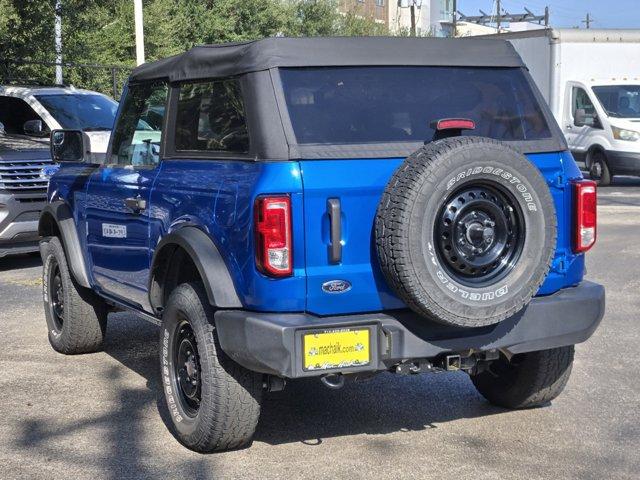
{"x": 591, "y": 80}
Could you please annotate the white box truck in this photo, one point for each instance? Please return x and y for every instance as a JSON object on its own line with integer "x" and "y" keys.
{"x": 591, "y": 80}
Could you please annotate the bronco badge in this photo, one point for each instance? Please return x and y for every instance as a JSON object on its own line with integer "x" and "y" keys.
{"x": 336, "y": 286}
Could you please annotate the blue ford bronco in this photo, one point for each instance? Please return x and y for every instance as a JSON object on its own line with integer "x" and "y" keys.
{"x": 331, "y": 208}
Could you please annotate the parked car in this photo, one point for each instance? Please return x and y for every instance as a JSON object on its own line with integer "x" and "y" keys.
{"x": 35, "y": 111}
{"x": 330, "y": 208}
{"x": 591, "y": 79}
{"x": 23, "y": 191}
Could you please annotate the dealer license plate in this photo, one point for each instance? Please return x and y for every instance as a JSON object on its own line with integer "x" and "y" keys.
{"x": 342, "y": 348}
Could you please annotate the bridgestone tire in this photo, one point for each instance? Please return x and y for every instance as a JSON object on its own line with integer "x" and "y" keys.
{"x": 230, "y": 395}
{"x": 411, "y": 204}
{"x": 84, "y": 314}
{"x": 529, "y": 380}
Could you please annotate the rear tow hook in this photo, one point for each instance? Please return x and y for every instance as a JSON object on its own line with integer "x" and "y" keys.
{"x": 334, "y": 381}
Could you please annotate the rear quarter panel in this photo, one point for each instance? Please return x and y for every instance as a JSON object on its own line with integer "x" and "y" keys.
{"x": 217, "y": 196}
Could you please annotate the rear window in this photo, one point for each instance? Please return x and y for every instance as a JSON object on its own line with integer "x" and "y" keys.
{"x": 348, "y": 105}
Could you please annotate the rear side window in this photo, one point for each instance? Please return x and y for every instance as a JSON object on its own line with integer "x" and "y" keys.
{"x": 210, "y": 118}
{"x": 398, "y": 104}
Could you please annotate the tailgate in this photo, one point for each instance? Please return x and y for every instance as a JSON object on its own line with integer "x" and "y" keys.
{"x": 358, "y": 185}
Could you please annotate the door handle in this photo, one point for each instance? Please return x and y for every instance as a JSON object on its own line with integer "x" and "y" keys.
{"x": 335, "y": 230}
{"x": 136, "y": 204}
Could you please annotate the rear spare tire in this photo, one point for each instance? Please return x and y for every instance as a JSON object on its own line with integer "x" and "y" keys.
{"x": 466, "y": 231}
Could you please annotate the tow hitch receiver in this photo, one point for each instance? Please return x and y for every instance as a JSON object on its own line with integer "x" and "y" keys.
{"x": 448, "y": 363}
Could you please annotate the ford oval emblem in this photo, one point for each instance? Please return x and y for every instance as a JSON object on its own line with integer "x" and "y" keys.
{"x": 336, "y": 286}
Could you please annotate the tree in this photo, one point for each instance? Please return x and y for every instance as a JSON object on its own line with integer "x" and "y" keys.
{"x": 102, "y": 31}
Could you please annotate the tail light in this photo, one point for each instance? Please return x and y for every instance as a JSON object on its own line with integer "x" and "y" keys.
{"x": 585, "y": 203}
{"x": 273, "y": 235}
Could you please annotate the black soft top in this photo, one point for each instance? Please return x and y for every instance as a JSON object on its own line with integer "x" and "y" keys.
{"x": 211, "y": 61}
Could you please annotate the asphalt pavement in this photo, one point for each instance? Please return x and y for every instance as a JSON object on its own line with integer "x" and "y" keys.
{"x": 102, "y": 416}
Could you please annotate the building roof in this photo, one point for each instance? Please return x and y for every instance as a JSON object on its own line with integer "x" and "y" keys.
{"x": 211, "y": 61}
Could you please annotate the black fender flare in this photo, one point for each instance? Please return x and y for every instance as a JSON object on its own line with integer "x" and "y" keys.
{"x": 213, "y": 271}
{"x": 59, "y": 214}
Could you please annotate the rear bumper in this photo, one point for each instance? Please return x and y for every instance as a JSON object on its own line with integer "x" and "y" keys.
{"x": 621, "y": 163}
{"x": 272, "y": 342}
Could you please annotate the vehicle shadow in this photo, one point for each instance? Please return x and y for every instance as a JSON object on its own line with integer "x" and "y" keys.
{"x": 20, "y": 262}
{"x": 307, "y": 411}
{"x": 125, "y": 442}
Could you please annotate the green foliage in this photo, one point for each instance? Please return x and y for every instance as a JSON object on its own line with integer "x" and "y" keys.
{"x": 102, "y": 31}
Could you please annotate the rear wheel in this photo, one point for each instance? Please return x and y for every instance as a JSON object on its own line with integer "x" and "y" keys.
{"x": 527, "y": 379}
{"x": 599, "y": 169}
{"x": 76, "y": 317}
{"x": 214, "y": 403}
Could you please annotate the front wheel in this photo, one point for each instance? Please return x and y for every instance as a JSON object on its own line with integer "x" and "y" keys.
{"x": 76, "y": 317}
{"x": 214, "y": 403}
{"x": 526, "y": 380}
{"x": 599, "y": 169}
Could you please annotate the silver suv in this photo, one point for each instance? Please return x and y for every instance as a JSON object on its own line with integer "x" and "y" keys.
{"x": 27, "y": 116}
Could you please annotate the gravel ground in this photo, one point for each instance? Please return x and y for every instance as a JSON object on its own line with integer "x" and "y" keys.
{"x": 101, "y": 416}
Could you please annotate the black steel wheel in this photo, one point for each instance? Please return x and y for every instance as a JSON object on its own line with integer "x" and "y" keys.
{"x": 56, "y": 295}
{"x": 76, "y": 317}
{"x": 186, "y": 362}
{"x": 214, "y": 403}
{"x": 479, "y": 233}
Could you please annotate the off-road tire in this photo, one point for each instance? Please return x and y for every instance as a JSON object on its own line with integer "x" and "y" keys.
{"x": 597, "y": 162}
{"x": 406, "y": 243}
{"x": 529, "y": 380}
{"x": 229, "y": 407}
{"x": 85, "y": 314}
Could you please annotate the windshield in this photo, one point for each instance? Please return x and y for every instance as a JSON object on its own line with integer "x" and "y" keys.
{"x": 81, "y": 111}
{"x": 622, "y": 101}
{"x": 398, "y": 104}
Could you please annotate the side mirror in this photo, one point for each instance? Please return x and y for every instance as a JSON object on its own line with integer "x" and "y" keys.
{"x": 67, "y": 146}
{"x": 35, "y": 128}
{"x": 580, "y": 118}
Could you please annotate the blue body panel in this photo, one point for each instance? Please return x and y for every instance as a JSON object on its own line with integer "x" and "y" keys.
{"x": 218, "y": 197}
{"x": 119, "y": 265}
{"x": 359, "y": 185}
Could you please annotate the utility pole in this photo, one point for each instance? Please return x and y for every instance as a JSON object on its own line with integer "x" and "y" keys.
{"x": 137, "y": 11}
{"x": 498, "y": 14}
{"x": 454, "y": 20}
{"x": 588, "y": 21}
{"x": 546, "y": 16}
{"x": 58, "y": 41}
{"x": 412, "y": 9}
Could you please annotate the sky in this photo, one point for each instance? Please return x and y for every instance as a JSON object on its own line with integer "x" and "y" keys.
{"x": 567, "y": 13}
